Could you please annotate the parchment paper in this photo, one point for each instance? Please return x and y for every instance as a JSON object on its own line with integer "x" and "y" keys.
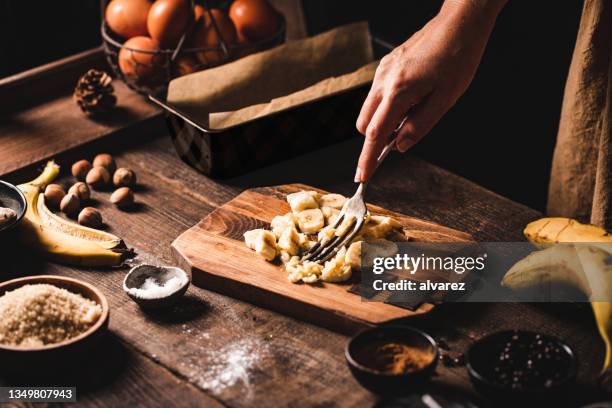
{"x": 271, "y": 75}
{"x": 321, "y": 89}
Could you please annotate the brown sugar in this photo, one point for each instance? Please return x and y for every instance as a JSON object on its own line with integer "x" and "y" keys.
{"x": 37, "y": 315}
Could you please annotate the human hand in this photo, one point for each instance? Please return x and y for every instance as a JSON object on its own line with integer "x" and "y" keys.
{"x": 423, "y": 78}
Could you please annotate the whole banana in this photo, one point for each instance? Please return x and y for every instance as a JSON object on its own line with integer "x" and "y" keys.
{"x": 586, "y": 266}
{"x": 61, "y": 240}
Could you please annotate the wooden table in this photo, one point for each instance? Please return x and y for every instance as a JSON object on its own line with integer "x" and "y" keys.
{"x": 212, "y": 350}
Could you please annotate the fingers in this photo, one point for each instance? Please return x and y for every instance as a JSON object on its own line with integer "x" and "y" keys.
{"x": 382, "y": 124}
{"x": 367, "y": 110}
{"x": 420, "y": 121}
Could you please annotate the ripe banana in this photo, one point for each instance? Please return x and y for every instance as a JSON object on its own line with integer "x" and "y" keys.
{"x": 310, "y": 221}
{"x": 61, "y": 240}
{"x": 585, "y": 266}
{"x": 302, "y": 200}
{"x": 332, "y": 200}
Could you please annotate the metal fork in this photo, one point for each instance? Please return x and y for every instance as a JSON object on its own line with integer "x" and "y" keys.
{"x": 355, "y": 209}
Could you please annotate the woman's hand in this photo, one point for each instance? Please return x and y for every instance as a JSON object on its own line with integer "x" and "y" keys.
{"x": 424, "y": 77}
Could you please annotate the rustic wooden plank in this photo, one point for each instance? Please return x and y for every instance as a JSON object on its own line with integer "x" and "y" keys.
{"x": 119, "y": 375}
{"x": 58, "y": 126}
{"x": 291, "y": 363}
{"x": 48, "y": 81}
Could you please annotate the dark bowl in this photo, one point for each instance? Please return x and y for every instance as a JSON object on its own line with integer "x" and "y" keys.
{"x": 485, "y": 351}
{"x": 72, "y": 351}
{"x": 11, "y": 197}
{"x": 136, "y": 277}
{"x": 387, "y": 383}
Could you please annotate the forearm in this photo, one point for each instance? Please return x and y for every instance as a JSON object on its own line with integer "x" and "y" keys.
{"x": 483, "y": 12}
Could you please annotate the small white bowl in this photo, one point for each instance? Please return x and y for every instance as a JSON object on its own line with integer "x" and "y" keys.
{"x": 162, "y": 274}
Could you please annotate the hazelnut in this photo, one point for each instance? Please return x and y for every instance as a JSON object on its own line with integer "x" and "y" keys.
{"x": 80, "y": 169}
{"x": 122, "y": 197}
{"x": 81, "y": 190}
{"x": 90, "y": 217}
{"x": 124, "y": 177}
{"x": 70, "y": 204}
{"x": 54, "y": 194}
{"x": 105, "y": 160}
{"x": 98, "y": 178}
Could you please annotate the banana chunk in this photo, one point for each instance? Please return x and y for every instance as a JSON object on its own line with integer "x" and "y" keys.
{"x": 326, "y": 234}
{"x": 335, "y": 270}
{"x": 353, "y": 255}
{"x": 380, "y": 227}
{"x": 289, "y": 241}
{"x": 346, "y": 226}
{"x": 307, "y": 272}
{"x": 330, "y": 214}
{"x": 310, "y": 221}
{"x": 332, "y": 200}
{"x": 262, "y": 242}
{"x": 303, "y": 200}
{"x": 281, "y": 222}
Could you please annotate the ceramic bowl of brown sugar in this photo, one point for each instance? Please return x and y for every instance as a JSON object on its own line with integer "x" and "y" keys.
{"x": 33, "y": 338}
{"x": 392, "y": 360}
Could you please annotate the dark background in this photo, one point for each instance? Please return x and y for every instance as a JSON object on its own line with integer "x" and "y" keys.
{"x": 501, "y": 133}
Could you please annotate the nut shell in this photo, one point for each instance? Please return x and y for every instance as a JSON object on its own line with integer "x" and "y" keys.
{"x": 80, "y": 169}
{"x": 105, "y": 160}
{"x": 124, "y": 177}
{"x": 98, "y": 178}
{"x": 122, "y": 197}
{"x": 70, "y": 204}
{"x": 81, "y": 190}
{"x": 90, "y": 217}
{"x": 54, "y": 193}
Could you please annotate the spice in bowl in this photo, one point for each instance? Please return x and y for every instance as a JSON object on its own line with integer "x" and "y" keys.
{"x": 42, "y": 314}
{"x": 392, "y": 360}
{"x": 393, "y": 357}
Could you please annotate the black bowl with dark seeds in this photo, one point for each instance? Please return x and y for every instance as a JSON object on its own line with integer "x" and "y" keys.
{"x": 519, "y": 365}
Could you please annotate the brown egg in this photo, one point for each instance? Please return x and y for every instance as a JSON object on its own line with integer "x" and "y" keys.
{"x": 128, "y": 18}
{"x": 205, "y": 35}
{"x": 198, "y": 12}
{"x": 184, "y": 65}
{"x": 255, "y": 20}
{"x": 168, "y": 20}
{"x": 141, "y": 67}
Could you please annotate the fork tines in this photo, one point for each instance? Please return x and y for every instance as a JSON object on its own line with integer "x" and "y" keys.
{"x": 322, "y": 252}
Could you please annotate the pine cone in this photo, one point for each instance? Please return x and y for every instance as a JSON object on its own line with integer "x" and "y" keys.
{"x": 94, "y": 92}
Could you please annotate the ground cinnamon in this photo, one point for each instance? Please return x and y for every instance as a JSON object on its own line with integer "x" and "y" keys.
{"x": 393, "y": 357}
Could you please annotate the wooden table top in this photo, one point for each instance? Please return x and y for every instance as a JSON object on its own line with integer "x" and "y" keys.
{"x": 214, "y": 350}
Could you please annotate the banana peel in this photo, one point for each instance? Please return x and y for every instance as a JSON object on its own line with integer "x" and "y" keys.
{"x": 61, "y": 240}
{"x": 587, "y": 267}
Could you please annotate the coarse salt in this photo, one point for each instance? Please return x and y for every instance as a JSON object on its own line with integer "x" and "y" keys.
{"x": 152, "y": 289}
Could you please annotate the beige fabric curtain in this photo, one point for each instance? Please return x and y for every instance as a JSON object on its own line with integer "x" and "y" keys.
{"x": 581, "y": 179}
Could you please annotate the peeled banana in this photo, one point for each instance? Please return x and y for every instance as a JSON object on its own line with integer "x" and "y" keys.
{"x": 313, "y": 213}
{"x": 586, "y": 266}
{"x": 310, "y": 221}
{"x": 61, "y": 240}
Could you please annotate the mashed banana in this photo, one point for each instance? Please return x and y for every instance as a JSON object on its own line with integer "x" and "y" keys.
{"x": 311, "y": 218}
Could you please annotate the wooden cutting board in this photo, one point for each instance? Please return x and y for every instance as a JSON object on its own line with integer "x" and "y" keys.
{"x": 215, "y": 253}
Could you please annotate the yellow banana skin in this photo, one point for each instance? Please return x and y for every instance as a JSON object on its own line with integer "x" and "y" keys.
{"x": 586, "y": 266}
{"x": 60, "y": 240}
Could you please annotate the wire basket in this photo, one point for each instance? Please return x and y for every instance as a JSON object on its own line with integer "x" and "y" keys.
{"x": 169, "y": 60}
